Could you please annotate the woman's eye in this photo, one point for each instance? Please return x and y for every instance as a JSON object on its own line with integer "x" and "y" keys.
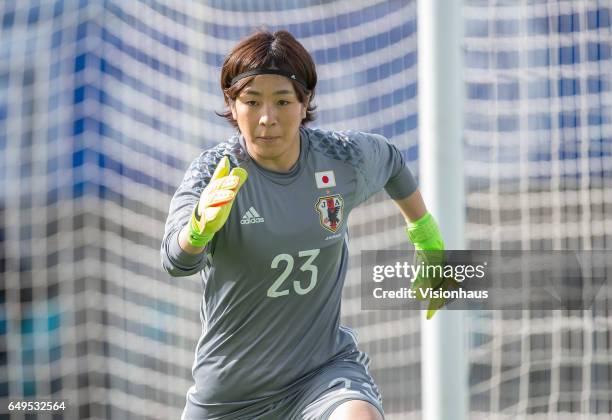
{"x": 251, "y": 103}
{"x": 283, "y": 102}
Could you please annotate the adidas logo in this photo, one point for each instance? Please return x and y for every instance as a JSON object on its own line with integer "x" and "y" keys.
{"x": 251, "y": 216}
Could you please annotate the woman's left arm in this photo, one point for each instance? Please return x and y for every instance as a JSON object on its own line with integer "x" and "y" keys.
{"x": 412, "y": 207}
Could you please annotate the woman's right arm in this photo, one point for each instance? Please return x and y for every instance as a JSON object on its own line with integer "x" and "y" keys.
{"x": 184, "y": 243}
{"x": 178, "y": 257}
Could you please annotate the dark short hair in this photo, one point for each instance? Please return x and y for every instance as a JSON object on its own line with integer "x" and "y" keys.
{"x": 265, "y": 49}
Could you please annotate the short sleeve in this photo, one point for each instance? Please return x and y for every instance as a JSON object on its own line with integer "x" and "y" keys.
{"x": 383, "y": 166}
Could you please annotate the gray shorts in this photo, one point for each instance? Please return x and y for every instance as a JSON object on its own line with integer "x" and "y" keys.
{"x": 341, "y": 380}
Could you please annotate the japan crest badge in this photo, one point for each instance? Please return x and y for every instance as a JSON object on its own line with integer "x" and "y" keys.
{"x": 330, "y": 209}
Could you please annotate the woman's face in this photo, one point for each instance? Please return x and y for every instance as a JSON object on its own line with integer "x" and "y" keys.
{"x": 269, "y": 114}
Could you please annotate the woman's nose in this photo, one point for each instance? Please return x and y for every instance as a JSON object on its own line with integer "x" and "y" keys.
{"x": 268, "y": 115}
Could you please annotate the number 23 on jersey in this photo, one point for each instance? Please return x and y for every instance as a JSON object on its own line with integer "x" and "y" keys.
{"x": 306, "y": 258}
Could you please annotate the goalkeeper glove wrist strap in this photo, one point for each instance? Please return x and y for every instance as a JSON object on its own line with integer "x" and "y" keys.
{"x": 425, "y": 234}
{"x": 197, "y": 239}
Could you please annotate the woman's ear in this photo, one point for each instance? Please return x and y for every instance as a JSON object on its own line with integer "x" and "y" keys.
{"x": 232, "y": 105}
{"x": 305, "y": 105}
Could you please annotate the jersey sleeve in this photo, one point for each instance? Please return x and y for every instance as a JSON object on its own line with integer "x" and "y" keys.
{"x": 383, "y": 166}
{"x": 175, "y": 261}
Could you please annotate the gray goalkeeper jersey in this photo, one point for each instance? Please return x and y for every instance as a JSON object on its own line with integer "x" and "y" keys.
{"x": 273, "y": 275}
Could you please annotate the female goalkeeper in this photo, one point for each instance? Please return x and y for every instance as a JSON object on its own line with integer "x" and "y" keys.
{"x": 272, "y": 249}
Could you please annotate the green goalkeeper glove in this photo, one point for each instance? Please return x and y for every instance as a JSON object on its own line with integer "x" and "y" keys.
{"x": 429, "y": 252}
{"x": 211, "y": 212}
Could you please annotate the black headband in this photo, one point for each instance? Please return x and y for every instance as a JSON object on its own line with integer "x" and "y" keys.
{"x": 279, "y": 72}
